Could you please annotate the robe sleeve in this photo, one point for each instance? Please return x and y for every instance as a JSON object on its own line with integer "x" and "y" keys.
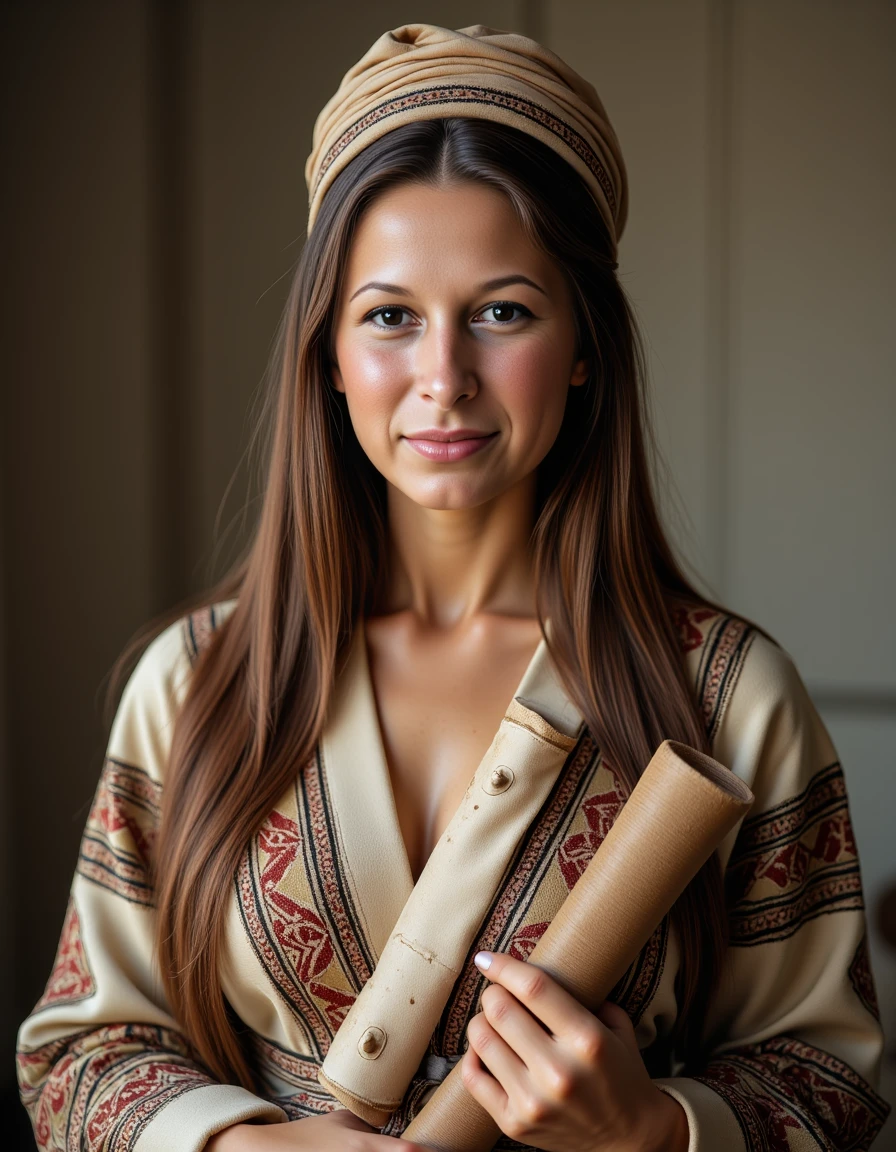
{"x": 101, "y": 1062}
{"x": 793, "y": 1040}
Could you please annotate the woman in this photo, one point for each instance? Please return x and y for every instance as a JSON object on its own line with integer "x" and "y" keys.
{"x": 458, "y": 514}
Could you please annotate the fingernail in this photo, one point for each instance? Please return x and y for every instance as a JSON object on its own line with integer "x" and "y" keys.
{"x": 483, "y": 960}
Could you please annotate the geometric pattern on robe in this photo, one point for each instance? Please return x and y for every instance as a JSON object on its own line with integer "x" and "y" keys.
{"x": 792, "y": 1040}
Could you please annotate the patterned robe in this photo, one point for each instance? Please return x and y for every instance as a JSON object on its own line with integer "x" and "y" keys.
{"x": 793, "y": 1039}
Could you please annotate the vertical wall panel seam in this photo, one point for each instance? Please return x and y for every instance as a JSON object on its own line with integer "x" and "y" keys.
{"x": 720, "y": 215}
{"x": 172, "y": 379}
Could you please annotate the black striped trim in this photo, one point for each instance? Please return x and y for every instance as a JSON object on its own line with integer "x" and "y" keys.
{"x": 453, "y": 94}
{"x": 512, "y": 900}
{"x": 806, "y": 846}
{"x": 289, "y": 1080}
{"x": 197, "y": 630}
{"x": 782, "y": 1085}
{"x": 862, "y": 978}
{"x": 120, "y": 861}
{"x": 348, "y": 938}
{"x": 721, "y": 661}
{"x": 276, "y": 965}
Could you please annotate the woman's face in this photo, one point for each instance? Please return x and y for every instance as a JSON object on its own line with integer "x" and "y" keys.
{"x": 451, "y": 323}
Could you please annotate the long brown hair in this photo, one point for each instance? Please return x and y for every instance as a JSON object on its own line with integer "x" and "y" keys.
{"x": 605, "y": 574}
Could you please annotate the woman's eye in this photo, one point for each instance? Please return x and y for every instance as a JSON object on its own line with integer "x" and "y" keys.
{"x": 391, "y": 316}
{"x": 504, "y": 313}
{"x": 387, "y": 317}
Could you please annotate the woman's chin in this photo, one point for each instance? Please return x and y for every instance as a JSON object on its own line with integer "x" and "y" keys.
{"x": 448, "y": 495}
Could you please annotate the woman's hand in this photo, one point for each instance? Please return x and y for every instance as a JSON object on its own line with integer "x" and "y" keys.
{"x": 339, "y": 1131}
{"x": 562, "y": 1078}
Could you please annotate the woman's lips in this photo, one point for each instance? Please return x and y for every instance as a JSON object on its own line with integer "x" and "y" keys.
{"x": 448, "y": 451}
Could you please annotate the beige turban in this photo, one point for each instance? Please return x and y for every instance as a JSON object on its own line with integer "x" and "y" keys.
{"x": 422, "y": 72}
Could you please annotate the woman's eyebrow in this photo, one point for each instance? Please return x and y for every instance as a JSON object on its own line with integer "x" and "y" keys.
{"x": 395, "y": 289}
{"x": 488, "y": 286}
{"x": 506, "y": 281}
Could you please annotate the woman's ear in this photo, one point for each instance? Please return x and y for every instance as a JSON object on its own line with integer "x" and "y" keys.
{"x": 336, "y": 376}
{"x": 581, "y": 370}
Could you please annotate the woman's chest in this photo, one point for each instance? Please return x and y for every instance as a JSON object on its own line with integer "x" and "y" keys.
{"x": 439, "y": 703}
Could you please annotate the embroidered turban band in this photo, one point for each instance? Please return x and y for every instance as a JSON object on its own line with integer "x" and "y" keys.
{"x": 422, "y": 72}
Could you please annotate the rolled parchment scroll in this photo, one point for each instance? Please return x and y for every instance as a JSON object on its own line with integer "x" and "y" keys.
{"x": 682, "y": 807}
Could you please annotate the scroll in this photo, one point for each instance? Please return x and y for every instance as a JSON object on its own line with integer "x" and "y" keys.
{"x": 379, "y": 1045}
{"x": 683, "y": 806}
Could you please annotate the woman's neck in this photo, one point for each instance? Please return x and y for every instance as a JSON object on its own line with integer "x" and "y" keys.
{"x": 450, "y": 566}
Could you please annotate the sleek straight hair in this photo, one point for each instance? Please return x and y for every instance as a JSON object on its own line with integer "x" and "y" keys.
{"x": 605, "y": 574}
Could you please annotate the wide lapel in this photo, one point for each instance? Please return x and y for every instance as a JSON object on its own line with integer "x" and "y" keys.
{"x": 373, "y": 856}
{"x": 379, "y": 1045}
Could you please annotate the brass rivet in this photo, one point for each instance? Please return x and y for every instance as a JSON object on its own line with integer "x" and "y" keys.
{"x": 372, "y": 1043}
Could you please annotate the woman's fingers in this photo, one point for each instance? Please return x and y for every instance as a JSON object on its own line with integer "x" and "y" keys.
{"x": 494, "y": 1052}
{"x": 482, "y": 1086}
{"x": 513, "y": 1022}
{"x": 561, "y": 1014}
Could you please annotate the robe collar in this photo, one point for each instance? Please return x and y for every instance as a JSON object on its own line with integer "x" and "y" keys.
{"x": 361, "y": 790}
{"x": 420, "y": 933}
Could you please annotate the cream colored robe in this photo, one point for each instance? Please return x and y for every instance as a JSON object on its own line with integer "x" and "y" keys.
{"x": 324, "y": 895}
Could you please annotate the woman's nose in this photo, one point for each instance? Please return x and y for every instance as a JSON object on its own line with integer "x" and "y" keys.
{"x": 445, "y": 368}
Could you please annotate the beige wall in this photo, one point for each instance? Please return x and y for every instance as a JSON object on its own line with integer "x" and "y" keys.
{"x": 760, "y": 254}
{"x": 157, "y": 206}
